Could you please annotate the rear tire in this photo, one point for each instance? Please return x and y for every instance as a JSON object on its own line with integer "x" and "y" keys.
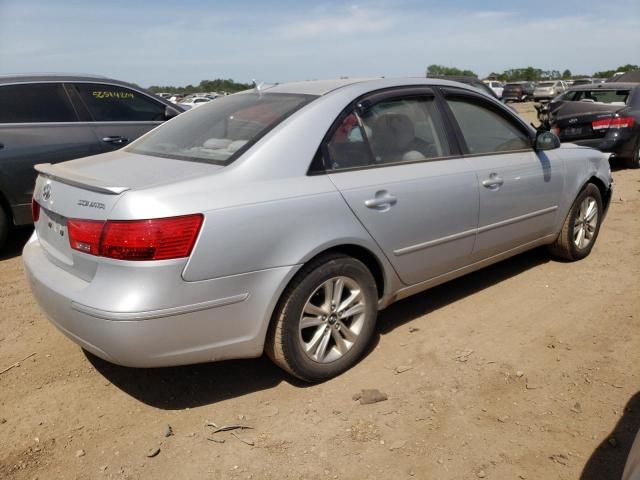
{"x": 4, "y": 226}
{"x": 581, "y": 227}
{"x": 325, "y": 318}
{"x": 634, "y": 160}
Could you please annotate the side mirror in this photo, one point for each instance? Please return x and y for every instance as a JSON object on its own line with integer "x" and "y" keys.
{"x": 547, "y": 141}
{"x": 169, "y": 113}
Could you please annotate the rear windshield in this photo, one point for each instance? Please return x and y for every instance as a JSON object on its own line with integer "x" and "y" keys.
{"x": 546, "y": 84}
{"x": 220, "y": 131}
{"x": 611, "y": 97}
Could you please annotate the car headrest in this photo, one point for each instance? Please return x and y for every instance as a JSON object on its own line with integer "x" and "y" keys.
{"x": 392, "y": 132}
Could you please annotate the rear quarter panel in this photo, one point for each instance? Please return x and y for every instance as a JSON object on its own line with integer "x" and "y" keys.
{"x": 279, "y": 232}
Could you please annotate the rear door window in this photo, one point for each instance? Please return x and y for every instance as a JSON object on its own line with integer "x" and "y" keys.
{"x": 112, "y": 103}
{"x": 392, "y": 131}
{"x": 35, "y": 103}
{"x": 485, "y": 130}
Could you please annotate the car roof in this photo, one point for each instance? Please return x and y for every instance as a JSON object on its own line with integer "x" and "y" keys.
{"x": 607, "y": 86}
{"x": 323, "y": 87}
{"x": 60, "y": 77}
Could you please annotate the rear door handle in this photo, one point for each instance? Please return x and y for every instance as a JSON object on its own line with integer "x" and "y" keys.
{"x": 383, "y": 201}
{"x": 115, "y": 140}
{"x": 494, "y": 181}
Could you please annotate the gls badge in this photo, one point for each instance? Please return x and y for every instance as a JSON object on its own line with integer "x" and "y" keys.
{"x": 87, "y": 203}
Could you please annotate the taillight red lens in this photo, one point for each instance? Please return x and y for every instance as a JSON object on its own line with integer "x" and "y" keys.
{"x": 600, "y": 124}
{"x": 156, "y": 239}
{"x": 84, "y": 235}
{"x": 35, "y": 210}
{"x": 622, "y": 122}
{"x": 615, "y": 122}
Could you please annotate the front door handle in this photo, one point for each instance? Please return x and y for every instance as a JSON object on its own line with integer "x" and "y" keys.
{"x": 115, "y": 140}
{"x": 494, "y": 182}
{"x": 383, "y": 201}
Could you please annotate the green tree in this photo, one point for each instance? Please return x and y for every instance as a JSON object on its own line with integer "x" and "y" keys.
{"x": 439, "y": 70}
{"x": 566, "y": 75}
{"x": 609, "y": 73}
{"x": 218, "y": 85}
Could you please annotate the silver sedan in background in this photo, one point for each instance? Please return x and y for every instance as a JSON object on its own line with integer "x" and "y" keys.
{"x": 283, "y": 219}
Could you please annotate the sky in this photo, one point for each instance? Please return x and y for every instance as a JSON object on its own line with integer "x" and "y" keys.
{"x": 161, "y": 42}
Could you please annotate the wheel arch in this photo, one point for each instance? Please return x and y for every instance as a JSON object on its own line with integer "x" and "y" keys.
{"x": 604, "y": 191}
{"x": 363, "y": 254}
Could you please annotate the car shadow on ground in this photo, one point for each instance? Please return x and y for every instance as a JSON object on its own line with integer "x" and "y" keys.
{"x": 15, "y": 242}
{"x": 191, "y": 386}
{"x": 608, "y": 460}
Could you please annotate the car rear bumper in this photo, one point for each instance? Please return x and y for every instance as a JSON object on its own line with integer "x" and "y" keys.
{"x": 619, "y": 145}
{"x": 219, "y": 319}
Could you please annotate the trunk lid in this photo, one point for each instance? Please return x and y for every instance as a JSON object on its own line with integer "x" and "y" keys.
{"x": 88, "y": 189}
{"x": 574, "y": 119}
{"x": 121, "y": 170}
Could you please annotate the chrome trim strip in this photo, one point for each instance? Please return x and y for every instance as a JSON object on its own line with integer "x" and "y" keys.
{"x": 526, "y": 216}
{"x": 467, "y": 233}
{"x": 432, "y": 243}
{"x": 165, "y": 312}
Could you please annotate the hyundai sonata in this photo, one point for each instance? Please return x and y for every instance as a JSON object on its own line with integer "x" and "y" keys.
{"x": 282, "y": 219}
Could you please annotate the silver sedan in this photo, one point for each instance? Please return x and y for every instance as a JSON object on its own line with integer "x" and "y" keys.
{"x": 282, "y": 219}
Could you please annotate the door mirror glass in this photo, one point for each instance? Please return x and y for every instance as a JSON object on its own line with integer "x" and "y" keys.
{"x": 547, "y": 141}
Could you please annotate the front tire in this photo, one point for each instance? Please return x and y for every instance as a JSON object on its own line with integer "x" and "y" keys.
{"x": 581, "y": 227}
{"x": 325, "y": 318}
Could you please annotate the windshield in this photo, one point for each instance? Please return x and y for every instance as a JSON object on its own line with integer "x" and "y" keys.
{"x": 546, "y": 84}
{"x": 220, "y": 131}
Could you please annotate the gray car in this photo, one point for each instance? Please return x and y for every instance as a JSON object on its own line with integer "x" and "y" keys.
{"x": 549, "y": 90}
{"x": 283, "y": 219}
{"x": 52, "y": 118}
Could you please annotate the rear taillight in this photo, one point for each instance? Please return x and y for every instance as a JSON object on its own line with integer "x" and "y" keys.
{"x": 35, "y": 210}
{"x": 158, "y": 239}
{"x": 556, "y": 130}
{"x": 155, "y": 239}
{"x": 615, "y": 122}
{"x": 84, "y": 235}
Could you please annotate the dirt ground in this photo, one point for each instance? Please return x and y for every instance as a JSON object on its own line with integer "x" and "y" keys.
{"x": 525, "y": 370}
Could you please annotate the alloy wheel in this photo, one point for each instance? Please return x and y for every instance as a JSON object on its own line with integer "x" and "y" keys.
{"x": 332, "y": 319}
{"x": 586, "y": 222}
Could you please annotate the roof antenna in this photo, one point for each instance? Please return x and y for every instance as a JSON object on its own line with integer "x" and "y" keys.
{"x": 257, "y": 87}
